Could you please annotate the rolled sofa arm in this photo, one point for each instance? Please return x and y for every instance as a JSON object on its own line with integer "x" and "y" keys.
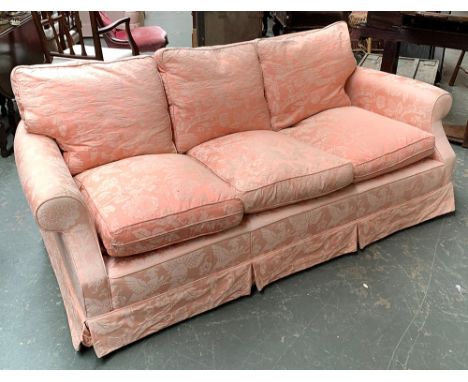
{"x": 51, "y": 192}
{"x": 61, "y": 213}
{"x": 404, "y": 99}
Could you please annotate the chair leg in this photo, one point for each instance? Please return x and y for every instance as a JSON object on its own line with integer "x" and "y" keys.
{"x": 457, "y": 68}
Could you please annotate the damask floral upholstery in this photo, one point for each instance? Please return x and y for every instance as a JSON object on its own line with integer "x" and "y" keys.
{"x": 400, "y": 98}
{"x": 305, "y": 73}
{"x": 142, "y": 238}
{"x": 151, "y": 201}
{"x": 269, "y": 170}
{"x": 213, "y": 91}
{"x": 373, "y": 143}
{"x": 97, "y": 112}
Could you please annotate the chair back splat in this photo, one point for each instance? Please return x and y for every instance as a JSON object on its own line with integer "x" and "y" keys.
{"x": 61, "y": 36}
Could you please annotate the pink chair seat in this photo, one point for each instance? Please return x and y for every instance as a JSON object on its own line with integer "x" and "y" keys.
{"x": 148, "y": 39}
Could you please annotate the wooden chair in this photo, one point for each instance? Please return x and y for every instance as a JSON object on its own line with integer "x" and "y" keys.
{"x": 147, "y": 38}
{"x": 62, "y": 38}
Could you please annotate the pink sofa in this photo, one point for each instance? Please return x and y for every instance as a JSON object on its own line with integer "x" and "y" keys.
{"x": 165, "y": 186}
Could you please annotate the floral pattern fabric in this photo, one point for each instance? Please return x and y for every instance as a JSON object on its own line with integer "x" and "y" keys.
{"x": 269, "y": 169}
{"x": 399, "y": 98}
{"x": 305, "y": 73}
{"x": 213, "y": 92}
{"x": 150, "y": 201}
{"x": 113, "y": 301}
{"x": 136, "y": 278}
{"x": 97, "y": 112}
{"x": 373, "y": 143}
{"x": 69, "y": 236}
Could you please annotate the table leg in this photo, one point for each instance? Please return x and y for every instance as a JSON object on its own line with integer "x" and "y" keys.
{"x": 390, "y": 56}
{"x": 4, "y": 152}
{"x": 465, "y": 138}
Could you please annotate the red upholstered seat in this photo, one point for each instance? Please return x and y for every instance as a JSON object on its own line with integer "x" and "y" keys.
{"x": 148, "y": 39}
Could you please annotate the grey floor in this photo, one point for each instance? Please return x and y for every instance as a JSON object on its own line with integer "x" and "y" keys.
{"x": 400, "y": 303}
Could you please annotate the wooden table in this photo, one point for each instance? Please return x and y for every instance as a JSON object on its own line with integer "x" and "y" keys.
{"x": 19, "y": 45}
{"x": 415, "y": 27}
{"x": 425, "y": 28}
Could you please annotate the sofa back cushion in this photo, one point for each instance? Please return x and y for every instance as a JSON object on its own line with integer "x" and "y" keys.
{"x": 97, "y": 112}
{"x": 213, "y": 92}
{"x": 305, "y": 73}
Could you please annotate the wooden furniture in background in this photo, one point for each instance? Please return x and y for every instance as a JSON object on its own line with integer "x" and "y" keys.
{"x": 19, "y": 45}
{"x": 458, "y": 66}
{"x": 288, "y": 22}
{"x": 425, "y": 28}
{"x": 136, "y": 20}
{"x": 61, "y": 37}
{"x": 218, "y": 28}
{"x": 419, "y": 69}
{"x": 147, "y": 38}
{"x": 457, "y": 134}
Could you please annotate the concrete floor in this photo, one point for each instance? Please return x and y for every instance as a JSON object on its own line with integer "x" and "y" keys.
{"x": 413, "y": 313}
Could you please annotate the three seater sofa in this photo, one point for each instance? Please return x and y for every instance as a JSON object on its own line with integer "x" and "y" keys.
{"x": 166, "y": 185}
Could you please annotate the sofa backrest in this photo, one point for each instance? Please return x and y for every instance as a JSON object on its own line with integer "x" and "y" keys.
{"x": 97, "y": 112}
{"x": 305, "y": 73}
{"x": 213, "y": 91}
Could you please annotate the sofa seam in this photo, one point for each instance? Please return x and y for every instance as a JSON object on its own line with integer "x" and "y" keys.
{"x": 362, "y": 193}
{"x": 162, "y": 262}
{"x": 75, "y": 198}
{"x": 406, "y": 146}
{"x": 339, "y": 167}
{"x": 425, "y": 154}
{"x": 331, "y": 230}
{"x": 250, "y": 233}
{"x": 301, "y": 200}
{"x": 243, "y": 263}
{"x": 115, "y": 244}
{"x": 334, "y": 229}
{"x": 347, "y": 162}
{"x": 177, "y": 213}
{"x": 394, "y": 206}
{"x": 445, "y": 94}
{"x": 40, "y": 67}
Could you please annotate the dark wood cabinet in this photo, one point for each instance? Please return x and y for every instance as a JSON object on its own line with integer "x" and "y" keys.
{"x": 218, "y": 28}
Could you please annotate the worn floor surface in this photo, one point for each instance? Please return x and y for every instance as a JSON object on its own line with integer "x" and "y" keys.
{"x": 399, "y": 303}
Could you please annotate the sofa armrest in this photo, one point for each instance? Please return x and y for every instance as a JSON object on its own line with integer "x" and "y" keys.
{"x": 60, "y": 212}
{"x": 404, "y": 99}
{"x": 51, "y": 192}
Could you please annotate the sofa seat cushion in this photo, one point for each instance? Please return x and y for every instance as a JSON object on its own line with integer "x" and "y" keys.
{"x": 213, "y": 91}
{"x": 306, "y": 72}
{"x": 373, "y": 143}
{"x": 269, "y": 169}
{"x": 147, "y": 202}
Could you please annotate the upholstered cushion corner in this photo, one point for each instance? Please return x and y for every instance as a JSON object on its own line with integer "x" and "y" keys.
{"x": 213, "y": 91}
{"x": 305, "y": 73}
{"x": 98, "y": 112}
